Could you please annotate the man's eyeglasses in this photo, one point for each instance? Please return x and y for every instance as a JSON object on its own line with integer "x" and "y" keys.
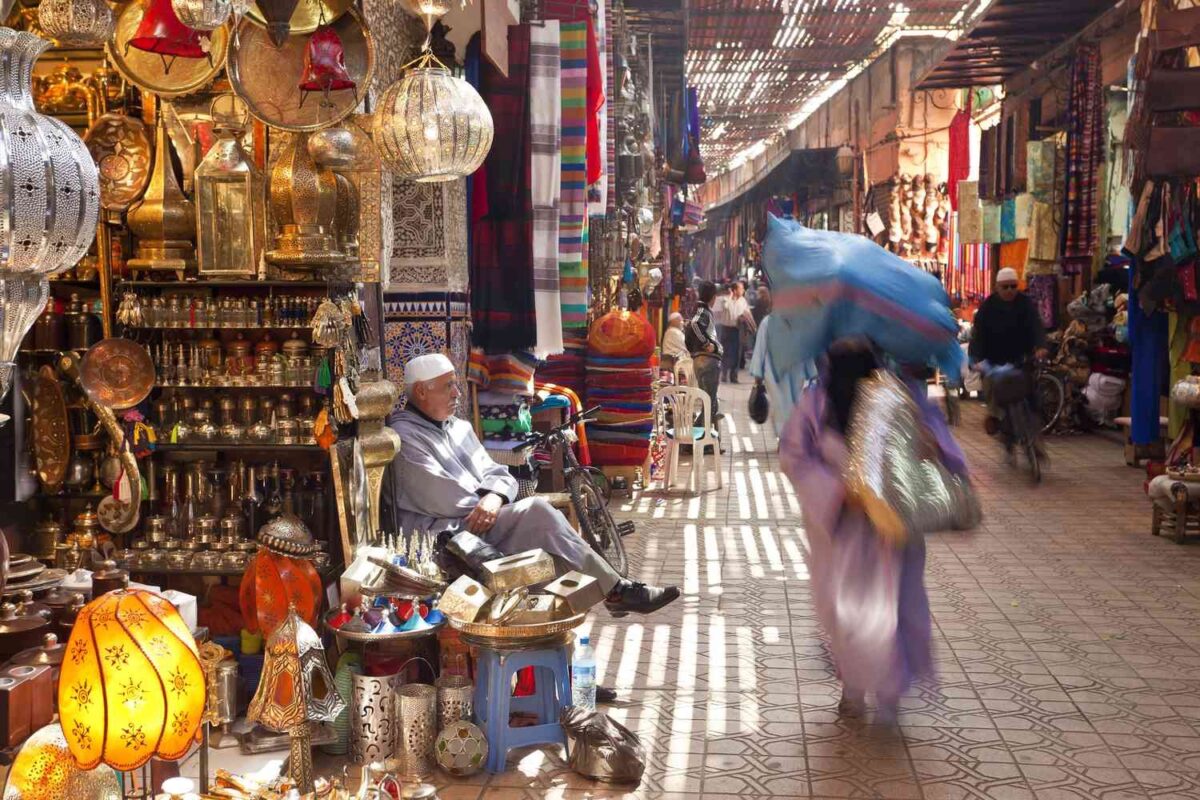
{"x": 1006, "y": 287}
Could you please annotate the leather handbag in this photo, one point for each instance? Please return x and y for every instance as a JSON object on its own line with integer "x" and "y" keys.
{"x": 760, "y": 406}
{"x": 1173, "y": 151}
{"x": 1173, "y": 89}
{"x": 895, "y": 471}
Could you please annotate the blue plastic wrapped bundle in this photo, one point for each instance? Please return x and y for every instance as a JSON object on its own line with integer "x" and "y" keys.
{"x": 827, "y": 286}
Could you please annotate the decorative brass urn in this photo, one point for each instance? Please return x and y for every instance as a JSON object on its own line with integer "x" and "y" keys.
{"x": 164, "y": 221}
{"x": 304, "y": 205}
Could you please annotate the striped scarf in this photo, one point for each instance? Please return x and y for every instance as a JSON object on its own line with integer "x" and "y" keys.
{"x": 546, "y": 183}
{"x": 572, "y": 232}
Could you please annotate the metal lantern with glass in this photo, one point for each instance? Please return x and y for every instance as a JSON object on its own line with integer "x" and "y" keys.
{"x": 230, "y": 201}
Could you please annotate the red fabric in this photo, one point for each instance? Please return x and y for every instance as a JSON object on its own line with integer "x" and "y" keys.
{"x": 595, "y": 101}
{"x": 960, "y": 154}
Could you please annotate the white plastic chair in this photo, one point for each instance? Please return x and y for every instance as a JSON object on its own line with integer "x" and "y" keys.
{"x": 685, "y": 404}
{"x": 685, "y": 373}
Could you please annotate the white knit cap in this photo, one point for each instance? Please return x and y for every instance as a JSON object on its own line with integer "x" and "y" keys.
{"x": 1006, "y": 275}
{"x": 426, "y": 368}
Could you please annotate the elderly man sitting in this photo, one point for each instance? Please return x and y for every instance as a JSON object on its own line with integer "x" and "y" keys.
{"x": 444, "y": 480}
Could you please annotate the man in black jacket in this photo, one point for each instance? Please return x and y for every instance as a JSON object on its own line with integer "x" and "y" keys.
{"x": 1008, "y": 330}
{"x": 701, "y": 338}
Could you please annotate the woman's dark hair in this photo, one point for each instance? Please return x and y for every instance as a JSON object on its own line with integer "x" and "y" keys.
{"x": 846, "y": 369}
{"x": 708, "y": 290}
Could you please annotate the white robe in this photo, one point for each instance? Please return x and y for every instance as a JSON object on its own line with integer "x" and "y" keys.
{"x": 443, "y": 470}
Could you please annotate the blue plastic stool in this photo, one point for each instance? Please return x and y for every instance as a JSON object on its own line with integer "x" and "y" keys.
{"x": 494, "y": 702}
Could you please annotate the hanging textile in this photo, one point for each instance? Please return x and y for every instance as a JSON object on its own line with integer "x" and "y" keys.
{"x": 595, "y": 102}
{"x": 572, "y": 219}
{"x": 502, "y": 308}
{"x": 1148, "y": 350}
{"x": 546, "y": 182}
{"x": 1085, "y": 155}
{"x": 960, "y": 155}
{"x": 970, "y": 213}
{"x": 1043, "y": 291}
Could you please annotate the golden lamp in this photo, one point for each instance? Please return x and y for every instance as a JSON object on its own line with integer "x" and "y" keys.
{"x": 132, "y": 686}
{"x": 45, "y": 770}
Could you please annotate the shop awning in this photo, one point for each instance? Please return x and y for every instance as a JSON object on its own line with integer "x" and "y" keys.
{"x": 1008, "y": 37}
{"x": 807, "y": 173}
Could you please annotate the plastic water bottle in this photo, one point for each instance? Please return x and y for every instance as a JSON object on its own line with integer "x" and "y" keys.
{"x": 583, "y": 676}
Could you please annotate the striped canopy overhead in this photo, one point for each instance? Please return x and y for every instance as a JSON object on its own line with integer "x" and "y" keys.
{"x": 761, "y": 63}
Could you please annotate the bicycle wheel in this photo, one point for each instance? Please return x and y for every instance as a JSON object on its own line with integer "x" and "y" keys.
{"x": 596, "y": 525}
{"x": 602, "y": 482}
{"x": 1051, "y": 399}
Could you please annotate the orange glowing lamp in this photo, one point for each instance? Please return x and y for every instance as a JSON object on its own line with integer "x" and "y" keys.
{"x": 281, "y": 575}
{"x": 132, "y": 687}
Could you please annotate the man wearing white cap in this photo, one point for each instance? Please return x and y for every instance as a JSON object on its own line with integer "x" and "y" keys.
{"x": 1008, "y": 330}
{"x": 444, "y": 480}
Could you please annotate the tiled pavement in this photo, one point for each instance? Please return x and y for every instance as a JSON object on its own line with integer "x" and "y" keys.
{"x": 1065, "y": 636}
{"x": 1066, "y": 641}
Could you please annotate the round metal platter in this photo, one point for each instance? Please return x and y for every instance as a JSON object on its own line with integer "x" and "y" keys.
{"x": 120, "y": 146}
{"x": 51, "y": 429}
{"x": 484, "y": 631}
{"x": 308, "y": 14}
{"x": 117, "y": 373}
{"x": 267, "y": 78}
{"x": 51, "y": 577}
{"x": 148, "y": 71}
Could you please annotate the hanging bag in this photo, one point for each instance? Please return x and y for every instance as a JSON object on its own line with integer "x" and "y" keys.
{"x": 760, "y": 406}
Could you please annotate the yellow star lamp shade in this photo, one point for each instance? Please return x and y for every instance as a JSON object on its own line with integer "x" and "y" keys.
{"x": 132, "y": 686}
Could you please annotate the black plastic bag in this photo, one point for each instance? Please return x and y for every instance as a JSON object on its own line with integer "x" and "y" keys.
{"x": 760, "y": 407}
{"x": 602, "y": 749}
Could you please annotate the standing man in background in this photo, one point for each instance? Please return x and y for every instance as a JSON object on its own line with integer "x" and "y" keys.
{"x": 730, "y": 312}
{"x": 704, "y": 346}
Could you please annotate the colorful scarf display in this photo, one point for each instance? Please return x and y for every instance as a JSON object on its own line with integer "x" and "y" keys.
{"x": 501, "y": 268}
{"x": 1085, "y": 155}
{"x": 546, "y": 182}
{"x": 572, "y": 219}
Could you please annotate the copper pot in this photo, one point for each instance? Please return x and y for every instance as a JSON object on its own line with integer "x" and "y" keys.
{"x": 20, "y": 630}
{"x": 109, "y": 578}
{"x": 48, "y": 654}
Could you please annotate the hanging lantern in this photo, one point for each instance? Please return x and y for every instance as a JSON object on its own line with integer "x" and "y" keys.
{"x": 431, "y": 126}
{"x": 45, "y": 770}
{"x": 303, "y": 199}
{"x": 202, "y": 15}
{"x": 325, "y": 65}
{"x": 230, "y": 213}
{"x": 278, "y": 16}
{"x": 51, "y": 200}
{"x": 132, "y": 686}
{"x": 76, "y": 23}
{"x": 296, "y": 689}
{"x": 281, "y": 576}
{"x": 160, "y": 31}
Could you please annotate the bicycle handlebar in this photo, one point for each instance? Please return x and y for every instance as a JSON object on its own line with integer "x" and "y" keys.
{"x": 572, "y": 421}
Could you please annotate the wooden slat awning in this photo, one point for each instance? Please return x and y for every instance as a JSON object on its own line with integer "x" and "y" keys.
{"x": 1008, "y": 37}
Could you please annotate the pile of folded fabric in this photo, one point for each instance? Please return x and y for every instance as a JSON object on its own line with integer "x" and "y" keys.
{"x": 620, "y": 373}
{"x": 568, "y": 367}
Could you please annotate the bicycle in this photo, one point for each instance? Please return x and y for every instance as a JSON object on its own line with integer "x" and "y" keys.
{"x": 1020, "y": 424}
{"x": 596, "y": 524}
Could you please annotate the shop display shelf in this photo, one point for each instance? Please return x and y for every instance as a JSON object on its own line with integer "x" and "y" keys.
{"x": 162, "y": 385}
{"x": 247, "y": 327}
{"x": 229, "y": 284}
{"x": 237, "y": 447}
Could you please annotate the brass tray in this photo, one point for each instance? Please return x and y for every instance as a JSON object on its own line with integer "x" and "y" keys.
{"x": 308, "y": 14}
{"x": 148, "y": 71}
{"x": 120, "y": 146}
{"x": 352, "y": 636}
{"x": 51, "y": 429}
{"x": 25, "y": 571}
{"x": 17, "y": 559}
{"x": 267, "y": 79}
{"x": 484, "y": 630}
{"x": 117, "y": 373}
{"x": 44, "y": 580}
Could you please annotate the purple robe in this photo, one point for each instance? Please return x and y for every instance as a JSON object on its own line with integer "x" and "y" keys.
{"x": 869, "y": 597}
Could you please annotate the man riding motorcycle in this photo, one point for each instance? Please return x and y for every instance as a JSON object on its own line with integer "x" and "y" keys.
{"x": 1008, "y": 330}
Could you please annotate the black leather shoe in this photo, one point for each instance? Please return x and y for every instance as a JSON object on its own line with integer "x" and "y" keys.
{"x": 605, "y": 695}
{"x": 630, "y": 597}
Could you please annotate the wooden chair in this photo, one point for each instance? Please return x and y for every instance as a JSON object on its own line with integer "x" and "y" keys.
{"x": 685, "y": 404}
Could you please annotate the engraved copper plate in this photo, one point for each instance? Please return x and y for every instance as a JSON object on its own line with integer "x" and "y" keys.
{"x": 117, "y": 373}
{"x": 51, "y": 429}
{"x": 268, "y": 79}
{"x": 308, "y": 14}
{"x": 26, "y": 570}
{"x": 148, "y": 71}
{"x": 120, "y": 146}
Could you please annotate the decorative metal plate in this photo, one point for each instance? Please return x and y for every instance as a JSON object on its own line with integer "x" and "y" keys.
{"x": 165, "y": 78}
{"x": 25, "y": 571}
{"x": 268, "y": 79}
{"x": 309, "y": 14}
{"x": 17, "y": 559}
{"x": 117, "y": 373}
{"x": 120, "y": 146}
{"x": 483, "y": 630}
{"x": 352, "y": 636}
{"x": 51, "y": 429}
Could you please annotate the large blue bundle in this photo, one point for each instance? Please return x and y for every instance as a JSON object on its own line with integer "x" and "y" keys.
{"x": 827, "y": 286}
